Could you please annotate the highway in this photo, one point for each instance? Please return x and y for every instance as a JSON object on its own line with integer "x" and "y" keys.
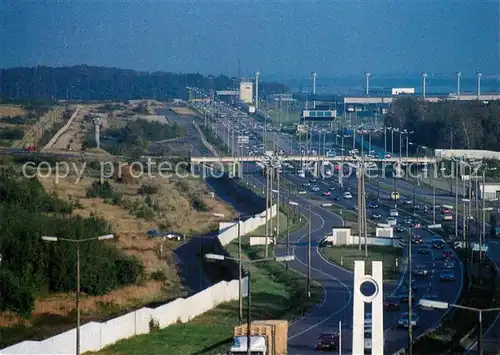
{"x": 337, "y": 282}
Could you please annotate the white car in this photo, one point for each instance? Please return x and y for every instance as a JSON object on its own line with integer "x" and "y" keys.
{"x": 315, "y": 188}
{"x": 393, "y": 213}
{"x": 347, "y": 195}
{"x": 392, "y": 221}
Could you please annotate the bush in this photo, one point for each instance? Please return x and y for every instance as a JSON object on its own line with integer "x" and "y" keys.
{"x": 14, "y": 296}
{"x": 158, "y": 275}
{"x": 146, "y": 189}
{"x": 198, "y": 204}
{"x": 100, "y": 189}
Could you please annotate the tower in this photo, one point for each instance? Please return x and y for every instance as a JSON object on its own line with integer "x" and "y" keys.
{"x": 97, "y": 123}
{"x": 367, "y": 74}
{"x": 478, "y": 76}
{"x": 424, "y": 84}
{"x": 314, "y": 75}
{"x": 257, "y": 73}
{"x": 376, "y": 299}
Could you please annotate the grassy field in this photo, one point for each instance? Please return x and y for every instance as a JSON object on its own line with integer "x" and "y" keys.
{"x": 345, "y": 257}
{"x": 276, "y": 294}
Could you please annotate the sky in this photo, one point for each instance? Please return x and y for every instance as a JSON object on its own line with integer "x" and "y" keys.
{"x": 281, "y": 38}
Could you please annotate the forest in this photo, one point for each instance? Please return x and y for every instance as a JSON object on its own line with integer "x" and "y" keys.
{"x": 85, "y": 83}
{"x": 448, "y": 124}
{"x": 31, "y": 267}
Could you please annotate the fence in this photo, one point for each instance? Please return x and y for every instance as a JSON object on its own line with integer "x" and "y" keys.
{"x": 94, "y": 336}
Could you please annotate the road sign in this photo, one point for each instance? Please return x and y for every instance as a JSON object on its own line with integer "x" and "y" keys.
{"x": 243, "y": 139}
{"x": 434, "y": 226}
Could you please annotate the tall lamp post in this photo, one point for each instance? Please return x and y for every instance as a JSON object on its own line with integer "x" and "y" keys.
{"x": 77, "y": 242}
{"x": 249, "y": 276}
{"x": 431, "y": 304}
{"x": 483, "y": 209}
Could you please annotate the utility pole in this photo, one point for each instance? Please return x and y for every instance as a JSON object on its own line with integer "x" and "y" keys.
{"x": 240, "y": 298}
{"x": 266, "y": 169}
{"x": 309, "y": 257}
{"x": 278, "y": 202}
{"x": 363, "y": 211}
{"x": 360, "y": 193}
{"x": 410, "y": 316}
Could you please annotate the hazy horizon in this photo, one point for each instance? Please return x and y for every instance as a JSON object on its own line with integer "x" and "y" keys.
{"x": 283, "y": 39}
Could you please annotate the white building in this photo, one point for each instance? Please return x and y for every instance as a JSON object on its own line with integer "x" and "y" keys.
{"x": 246, "y": 92}
{"x": 489, "y": 190}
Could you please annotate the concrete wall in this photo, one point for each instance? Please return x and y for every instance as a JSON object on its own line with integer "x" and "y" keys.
{"x": 467, "y": 153}
{"x": 61, "y": 131}
{"x": 228, "y": 231}
{"x": 343, "y": 237}
{"x": 95, "y": 335}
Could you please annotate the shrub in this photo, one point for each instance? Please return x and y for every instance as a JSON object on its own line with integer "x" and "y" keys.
{"x": 147, "y": 189}
{"x": 158, "y": 275}
{"x": 100, "y": 189}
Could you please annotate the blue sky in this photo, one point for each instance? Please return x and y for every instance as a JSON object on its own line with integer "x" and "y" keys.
{"x": 282, "y": 38}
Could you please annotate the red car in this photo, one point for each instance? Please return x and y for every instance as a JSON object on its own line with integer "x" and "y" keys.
{"x": 327, "y": 193}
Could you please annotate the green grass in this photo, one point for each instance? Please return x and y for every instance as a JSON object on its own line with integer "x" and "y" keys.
{"x": 345, "y": 257}
{"x": 276, "y": 294}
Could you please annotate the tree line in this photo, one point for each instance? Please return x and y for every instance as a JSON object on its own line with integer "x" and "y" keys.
{"x": 448, "y": 124}
{"x": 84, "y": 83}
{"x": 30, "y": 266}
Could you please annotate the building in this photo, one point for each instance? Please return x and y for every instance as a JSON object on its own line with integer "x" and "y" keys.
{"x": 489, "y": 190}
{"x": 246, "y": 92}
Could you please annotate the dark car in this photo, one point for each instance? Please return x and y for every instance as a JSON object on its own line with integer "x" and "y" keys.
{"x": 328, "y": 341}
{"x": 417, "y": 240}
{"x": 376, "y": 216}
{"x": 437, "y": 243}
{"x": 392, "y": 303}
{"x": 420, "y": 270}
{"x": 372, "y": 205}
{"x": 447, "y": 254}
{"x": 423, "y": 251}
{"x": 447, "y": 275}
{"x": 400, "y": 229}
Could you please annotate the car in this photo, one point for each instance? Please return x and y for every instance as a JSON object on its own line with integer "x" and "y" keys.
{"x": 338, "y": 198}
{"x": 313, "y": 181}
{"x": 447, "y": 254}
{"x": 391, "y": 221}
{"x": 449, "y": 264}
{"x": 376, "y": 216}
{"x": 392, "y": 303}
{"x": 408, "y": 221}
{"x": 408, "y": 202}
{"x": 423, "y": 250}
{"x": 328, "y": 341}
{"x": 417, "y": 240}
{"x": 306, "y": 184}
{"x": 388, "y": 156}
{"x": 400, "y": 229}
{"x": 393, "y": 213}
{"x": 447, "y": 275}
{"x": 327, "y": 193}
{"x": 153, "y": 233}
{"x": 420, "y": 270}
{"x": 403, "y": 319}
{"x": 372, "y": 204}
{"x": 347, "y": 195}
{"x": 315, "y": 188}
{"x": 331, "y": 188}
{"x": 437, "y": 243}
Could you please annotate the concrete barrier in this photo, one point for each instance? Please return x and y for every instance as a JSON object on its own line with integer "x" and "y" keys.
{"x": 61, "y": 131}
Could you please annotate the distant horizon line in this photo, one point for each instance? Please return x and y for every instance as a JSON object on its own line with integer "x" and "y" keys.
{"x": 280, "y": 77}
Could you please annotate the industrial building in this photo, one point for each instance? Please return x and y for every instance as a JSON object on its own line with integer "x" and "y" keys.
{"x": 246, "y": 92}
{"x": 489, "y": 190}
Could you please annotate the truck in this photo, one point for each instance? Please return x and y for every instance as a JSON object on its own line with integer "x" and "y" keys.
{"x": 267, "y": 337}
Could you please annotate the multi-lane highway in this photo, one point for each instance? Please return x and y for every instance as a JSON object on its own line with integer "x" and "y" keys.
{"x": 336, "y": 281}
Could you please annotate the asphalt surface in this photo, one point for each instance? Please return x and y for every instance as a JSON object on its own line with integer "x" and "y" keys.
{"x": 337, "y": 282}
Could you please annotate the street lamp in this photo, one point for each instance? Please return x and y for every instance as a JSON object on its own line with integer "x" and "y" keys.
{"x": 483, "y": 234}
{"x": 77, "y": 242}
{"x": 220, "y": 257}
{"x": 425, "y": 303}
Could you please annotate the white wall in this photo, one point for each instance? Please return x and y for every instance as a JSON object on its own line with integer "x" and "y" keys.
{"x": 228, "y": 231}
{"x": 95, "y": 336}
{"x": 61, "y": 131}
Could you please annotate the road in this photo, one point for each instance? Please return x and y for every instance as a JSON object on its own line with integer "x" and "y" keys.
{"x": 337, "y": 282}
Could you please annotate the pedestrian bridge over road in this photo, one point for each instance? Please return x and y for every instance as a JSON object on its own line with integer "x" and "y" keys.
{"x": 351, "y": 159}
